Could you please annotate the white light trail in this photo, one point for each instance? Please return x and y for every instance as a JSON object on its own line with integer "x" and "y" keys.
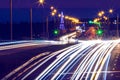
{"x": 90, "y": 57}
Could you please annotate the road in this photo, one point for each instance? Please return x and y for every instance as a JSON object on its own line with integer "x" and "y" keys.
{"x": 87, "y": 60}
{"x": 14, "y": 54}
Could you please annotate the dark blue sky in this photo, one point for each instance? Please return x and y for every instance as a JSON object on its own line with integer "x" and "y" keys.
{"x": 64, "y": 3}
{"x": 76, "y": 8}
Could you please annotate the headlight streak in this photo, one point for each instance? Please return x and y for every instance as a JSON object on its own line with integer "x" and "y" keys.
{"x": 99, "y": 56}
{"x": 61, "y": 70}
{"x": 90, "y": 67}
{"x": 48, "y": 69}
{"x": 106, "y": 67}
{"x": 51, "y": 56}
{"x": 98, "y": 73}
{"x": 11, "y": 43}
{"x": 95, "y": 58}
{"x": 57, "y": 61}
{"x": 83, "y": 63}
{"x": 75, "y": 61}
{"x": 87, "y": 65}
{"x": 108, "y": 45}
{"x": 89, "y": 58}
{"x": 28, "y": 62}
{"x": 30, "y": 67}
{"x": 53, "y": 69}
{"x": 18, "y": 44}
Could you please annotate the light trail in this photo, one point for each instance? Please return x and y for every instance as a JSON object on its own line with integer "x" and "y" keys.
{"x": 106, "y": 67}
{"x": 85, "y": 60}
{"x": 104, "y": 60}
{"x": 47, "y": 58}
{"x": 71, "y": 58}
{"x": 93, "y": 61}
{"x": 19, "y": 44}
{"x": 57, "y": 61}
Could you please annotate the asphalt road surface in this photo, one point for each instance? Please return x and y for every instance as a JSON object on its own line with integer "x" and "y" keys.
{"x": 86, "y": 60}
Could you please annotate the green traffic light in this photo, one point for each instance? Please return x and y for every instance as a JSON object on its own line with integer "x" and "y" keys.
{"x": 56, "y": 32}
{"x": 100, "y": 32}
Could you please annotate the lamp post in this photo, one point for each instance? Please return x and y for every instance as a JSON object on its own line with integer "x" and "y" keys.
{"x": 117, "y": 23}
{"x": 31, "y": 27}
{"x": 31, "y": 13}
{"x": 11, "y": 23}
{"x": 47, "y": 29}
{"x": 117, "y": 26}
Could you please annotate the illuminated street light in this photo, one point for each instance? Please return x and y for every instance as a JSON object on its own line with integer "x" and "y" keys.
{"x": 41, "y": 2}
{"x": 66, "y": 17}
{"x": 96, "y": 19}
{"x": 51, "y": 7}
{"x": 59, "y": 15}
{"x": 106, "y": 18}
{"x": 55, "y": 11}
{"x": 53, "y": 14}
{"x": 100, "y": 14}
{"x": 111, "y": 11}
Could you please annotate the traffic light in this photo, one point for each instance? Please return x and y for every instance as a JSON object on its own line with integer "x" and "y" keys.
{"x": 99, "y": 32}
{"x": 56, "y": 32}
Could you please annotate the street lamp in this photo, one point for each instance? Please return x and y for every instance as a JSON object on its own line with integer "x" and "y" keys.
{"x": 31, "y": 28}
{"x": 111, "y": 11}
{"x": 51, "y": 7}
{"x": 41, "y": 2}
{"x": 117, "y": 23}
{"x": 31, "y": 13}
{"x": 101, "y": 13}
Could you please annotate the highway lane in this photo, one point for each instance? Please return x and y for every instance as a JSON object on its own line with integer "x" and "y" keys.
{"x": 88, "y": 60}
{"x": 14, "y": 55}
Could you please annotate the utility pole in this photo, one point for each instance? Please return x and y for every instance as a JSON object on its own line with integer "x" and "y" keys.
{"x": 117, "y": 25}
{"x": 47, "y": 29}
{"x": 11, "y": 23}
{"x": 31, "y": 37}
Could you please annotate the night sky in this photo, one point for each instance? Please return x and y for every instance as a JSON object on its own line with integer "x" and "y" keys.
{"x": 75, "y": 8}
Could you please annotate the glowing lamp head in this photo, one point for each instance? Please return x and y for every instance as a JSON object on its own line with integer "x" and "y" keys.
{"x": 53, "y": 14}
{"x": 51, "y": 7}
{"x": 41, "y": 1}
{"x": 110, "y": 11}
{"x": 100, "y": 14}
